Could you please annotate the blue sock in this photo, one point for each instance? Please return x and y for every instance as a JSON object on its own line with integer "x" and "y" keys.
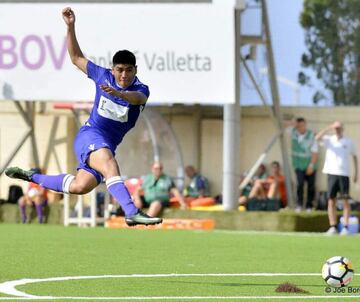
{"x": 118, "y": 190}
{"x": 58, "y": 183}
{"x": 23, "y": 213}
{"x": 39, "y": 212}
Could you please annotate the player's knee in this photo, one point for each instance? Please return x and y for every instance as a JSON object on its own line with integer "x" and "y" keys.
{"x": 79, "y": 188}
{"x": 108, "y": 168}
{"x": 156, "y": 204}
{"x": 22, "y": 201}
{"x": 332, "y": 202}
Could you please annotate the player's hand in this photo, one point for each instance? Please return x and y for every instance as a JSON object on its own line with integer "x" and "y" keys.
{"x": 335, "y": 125}
{"x": 68, "y": 16}
{"x": 109, "y": 90}
{"x": 309, "y": 170}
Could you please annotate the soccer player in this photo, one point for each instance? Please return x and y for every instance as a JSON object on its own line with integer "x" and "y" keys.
{"x": 119, "y": 99}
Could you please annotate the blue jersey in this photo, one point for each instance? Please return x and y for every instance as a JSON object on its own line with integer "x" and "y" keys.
{"x": 111, "y": 115}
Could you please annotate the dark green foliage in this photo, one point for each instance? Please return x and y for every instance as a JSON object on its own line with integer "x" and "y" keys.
{"x": 332, "y": 37}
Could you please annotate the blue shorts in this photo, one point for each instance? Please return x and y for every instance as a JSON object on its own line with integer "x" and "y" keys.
{"x": 87, "y": 140}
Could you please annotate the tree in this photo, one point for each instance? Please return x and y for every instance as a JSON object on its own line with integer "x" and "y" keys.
{"x": 332, "y": 37}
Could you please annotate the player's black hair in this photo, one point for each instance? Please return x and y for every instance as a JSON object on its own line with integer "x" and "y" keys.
{"x": 300, "y": 120}
{"x": 124, "y": 57}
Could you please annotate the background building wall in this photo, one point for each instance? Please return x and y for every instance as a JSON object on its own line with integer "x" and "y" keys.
{"x": 199, "y": 131}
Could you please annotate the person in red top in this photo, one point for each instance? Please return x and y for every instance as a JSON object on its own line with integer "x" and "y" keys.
{"x": 273, "y": 187}
{"x": 36, "y": 196}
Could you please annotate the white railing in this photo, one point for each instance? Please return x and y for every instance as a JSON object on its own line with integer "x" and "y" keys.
{"x": 80, "y": 220}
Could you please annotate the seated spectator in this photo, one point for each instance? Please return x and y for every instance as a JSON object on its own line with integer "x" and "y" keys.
{"x": 273, "y": 187}
{"x": 157, "y": 188}
{"x": 36, "y": 196}
{"x": 199, "y": 185}
{"x": 260, "y": 173}
{"x": 197, "y": 192}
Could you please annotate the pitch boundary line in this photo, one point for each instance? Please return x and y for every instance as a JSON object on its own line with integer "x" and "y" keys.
{"x": 9, "y": 287}
{"x": 275, "y": 233}
{"x": 297, "y": 297}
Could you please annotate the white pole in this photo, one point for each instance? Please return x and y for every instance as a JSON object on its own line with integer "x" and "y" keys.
{"x": 66, "y": 209}
{"x": 231, "y": 132}
{"x": 93, "y": 208}
{"x": 80, "y": 208}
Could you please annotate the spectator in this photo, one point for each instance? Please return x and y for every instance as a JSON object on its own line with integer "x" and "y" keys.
{"x": 36, "y": 196}
{"x": 304, "y": 154}
{"x": 339, "y": 150}
{"x": 261, "y": 173}
{"x": 157, "y": 188}
{"x": 273, "y": 187}
{"x": 199, "y": 185}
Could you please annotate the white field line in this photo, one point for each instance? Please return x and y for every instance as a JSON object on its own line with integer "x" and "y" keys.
{"x": 290, "y": 234}
{"x": 9, "y": 287}
{"x": 295, "y": 297}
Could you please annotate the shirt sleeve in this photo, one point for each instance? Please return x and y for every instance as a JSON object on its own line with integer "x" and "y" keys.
{"x": 200, "y": 183}
{"x": 94, "y": 71}
{"x": 143, "y": 89}
{"x": 325, "y": 141}
{"x": 143, "y": 184}
{"x": 352, "y": 148}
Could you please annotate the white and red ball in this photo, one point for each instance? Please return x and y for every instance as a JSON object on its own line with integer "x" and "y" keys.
{"x": 338, "y": 271}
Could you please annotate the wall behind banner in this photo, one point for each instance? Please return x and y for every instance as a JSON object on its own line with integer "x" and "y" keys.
{"x": 200, "y": 139}
{"x": 180, "y": 48}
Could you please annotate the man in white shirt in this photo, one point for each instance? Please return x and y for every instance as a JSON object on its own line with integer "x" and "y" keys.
{"x": 339, "y": 150}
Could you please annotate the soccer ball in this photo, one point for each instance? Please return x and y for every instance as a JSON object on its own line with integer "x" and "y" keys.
{"x": 338, "y": 271}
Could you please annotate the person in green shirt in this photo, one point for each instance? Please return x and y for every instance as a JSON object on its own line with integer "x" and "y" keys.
{"x": 157, "y": 188}
{"x": 198, "y": 186}
{"x": 304, "y": 154}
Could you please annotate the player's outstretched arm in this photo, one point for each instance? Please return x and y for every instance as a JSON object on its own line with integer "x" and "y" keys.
{"x": 76, "y": 55}
{"x": 132, "y": 97}
{"x": 322, "y": 132}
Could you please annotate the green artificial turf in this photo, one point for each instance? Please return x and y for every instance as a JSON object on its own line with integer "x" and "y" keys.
{"x": 43, "y": 251}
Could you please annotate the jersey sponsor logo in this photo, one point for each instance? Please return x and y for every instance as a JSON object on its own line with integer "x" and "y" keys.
{"x": 109, "y": 109}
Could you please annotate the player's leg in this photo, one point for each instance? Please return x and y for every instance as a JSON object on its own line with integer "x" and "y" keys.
{"x": 155, "y": 208}
{"x": 333, "y": 189}
{"x": 81, "y": 183}
{"x": 257, "y": 191}
{"x": 138, "y": 203}
{"x": 344, "y": 191}
{"x": 311, "y": 190}
{"x": 40, "y": 202}
{"x": 332, "y": 212}
{"x": 300, "y": 175}
{"x": 273, "y": 190}
{"x": 103, "y": 161}
{"x": 346, "y": 215}
{"x": 22, "y": 206}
